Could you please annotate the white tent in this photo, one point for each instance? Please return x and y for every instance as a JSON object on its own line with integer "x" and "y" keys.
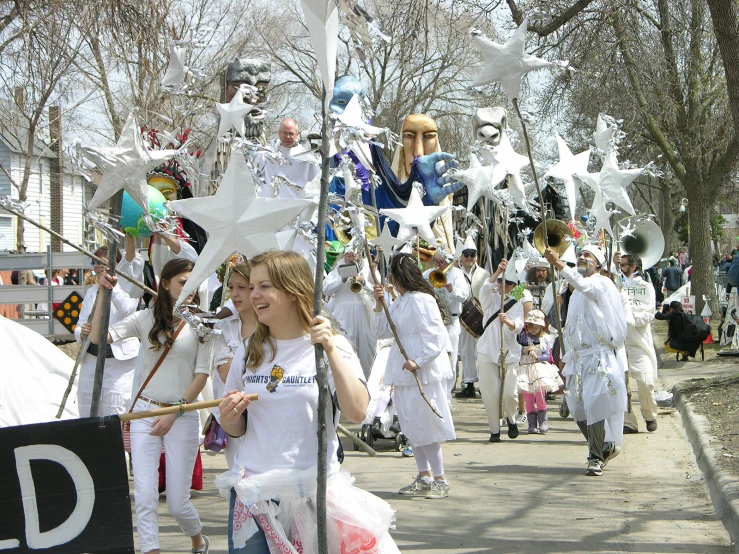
{"x": 33, "y": 377}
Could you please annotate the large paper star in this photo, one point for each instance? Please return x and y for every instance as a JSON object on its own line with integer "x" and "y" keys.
{"x": 480, "y": 180}
{"x": 604, "y": 134}
{"x": 513, "y": 163}
{"x": 387, "y": 242}
{"x": 415, "y": 218}
{"x": 236, "y": 221}
{"x": 322, "y": 20}
{"x": 601, "y": 214}
{"x": 125, "y": 166}
{"x": 352, "y": 116}
{"x": 176, "y": 70}
{"x": 612, "y": 182}
{"x": 507, "y": 63}
{"x": 232, "y": 114}
{"x": 568, "y": 165}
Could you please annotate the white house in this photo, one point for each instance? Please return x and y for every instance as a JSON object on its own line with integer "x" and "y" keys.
{"x": 75, "y": 195}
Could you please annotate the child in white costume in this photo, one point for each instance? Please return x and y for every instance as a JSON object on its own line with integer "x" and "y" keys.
{"x": 277, "y": 451}
{"x": 417, "y": 315}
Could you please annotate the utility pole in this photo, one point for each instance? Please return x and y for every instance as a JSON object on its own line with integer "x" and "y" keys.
{"x": 56, "y": 177}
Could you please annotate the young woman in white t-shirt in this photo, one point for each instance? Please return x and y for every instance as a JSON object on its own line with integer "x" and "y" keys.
{"x": 277, "y": 453}
{"x": 179, "y": 379}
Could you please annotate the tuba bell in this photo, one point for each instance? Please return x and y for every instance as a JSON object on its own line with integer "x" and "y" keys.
{"x": 355, "y": 286}
{"x": 437, "y": 278}
{"x": 645, "y": 241}
{"x": 558, "y": 236}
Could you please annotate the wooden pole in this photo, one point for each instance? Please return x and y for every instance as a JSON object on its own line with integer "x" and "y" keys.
{"x": 395, "y": 333}
{"x": 373, "y": 197}
{"x": 180, "y": 408}
{"x": 324, "y": 395}
{"x": 557, "y": 315}
{"x": 97, "y": 387}
{"x": 502, "y": 305}
{"x": 356, "y": 440}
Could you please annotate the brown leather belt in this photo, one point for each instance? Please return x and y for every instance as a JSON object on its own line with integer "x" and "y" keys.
{"x": 155, "y": 402}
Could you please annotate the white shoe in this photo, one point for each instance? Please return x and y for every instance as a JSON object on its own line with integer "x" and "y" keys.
{"x": 521, "y": 418}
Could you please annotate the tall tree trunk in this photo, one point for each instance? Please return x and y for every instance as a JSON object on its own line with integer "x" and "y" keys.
{"x": 725, "y": 18}
{"x": 699, "y": 205}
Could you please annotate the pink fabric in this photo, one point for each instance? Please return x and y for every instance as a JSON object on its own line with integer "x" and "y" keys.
{"x": 535, "y": 402}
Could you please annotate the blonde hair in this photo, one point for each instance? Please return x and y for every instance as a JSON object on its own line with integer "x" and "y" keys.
{"x": 243, "y": 269}
{"x": 290, "y": 273}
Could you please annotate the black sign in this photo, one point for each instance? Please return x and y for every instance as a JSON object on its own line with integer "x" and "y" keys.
{"x": 64, "y": 488}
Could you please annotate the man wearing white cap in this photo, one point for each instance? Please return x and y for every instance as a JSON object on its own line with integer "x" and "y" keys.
{"x": 595, "y": 330}
{"x": 489, "y": 348}
{"x": 538, "y": 281}
{"x": 475, "y": 277}
{"x": 455, "y": 292}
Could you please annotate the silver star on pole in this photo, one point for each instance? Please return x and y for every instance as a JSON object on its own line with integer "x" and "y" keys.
{"x": 481, "y": 180}
{"x": 569, "y": 164}
{"x": 506, "y": 63}
{"x": 176, "y": 70}
{"x": 322, "y": 20}
{"x": 415, "y": 218}
{"x": 512, "y": 163}
{"x": 601, "y": 214}
{"x": 387, "y": 242}
{"x": 125, "y": 166}
{"x": 612, "y": 182}
{"x": 605, "y": 133}
{"x": 236, "y": 220}
{"x": 232, "y": 114}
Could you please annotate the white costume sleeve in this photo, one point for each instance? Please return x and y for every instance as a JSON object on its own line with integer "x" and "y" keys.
{"x": 430, "y": 326}
{"x": 123, "y": 301}
{"x": 332, "y": 283}
{"x": 460, "y": 288}
{"x": 85, "y": 311}
{"x": 135, "y": 269}
{"x": 380, "y": 326}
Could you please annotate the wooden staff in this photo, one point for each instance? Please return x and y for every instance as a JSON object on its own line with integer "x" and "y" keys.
{"x": 178, "y": 409}
{"x": 77, "y": 362}
{"x": 356, "y": 440}
{"x": 78, "y": 248}
{"x": 502, "y": 306}
{"x": 557, "y": 315}
{"x": 395, "y": 333}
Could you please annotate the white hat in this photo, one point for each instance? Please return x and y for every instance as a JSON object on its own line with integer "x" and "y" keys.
{"x": 536, "y": 317}
{"x": 511, "y": 274}
{"x": 469, "y": 244}
{"x": 569, "y": 257}
{"x": 459, "y": 249}
{"x": 596, "y": 252}
{"x": 540, "y": 262}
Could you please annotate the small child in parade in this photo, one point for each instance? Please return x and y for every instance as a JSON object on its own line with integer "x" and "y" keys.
{"x": 538, "y": 375}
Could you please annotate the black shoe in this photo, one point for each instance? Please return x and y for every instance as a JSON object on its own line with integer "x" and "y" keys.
{"x": 652, "y": 426}
{"x": 512, "y": 429}
{"x": 684, "y": 358}
{"x": 467, "y": 392}
{"x": 630, "y": 431}
{"x": 551, "y": 396}
{"x": 395, "y": 425}
{"x": 494, "y": 437}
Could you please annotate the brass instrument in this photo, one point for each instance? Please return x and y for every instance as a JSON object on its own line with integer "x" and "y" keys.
{"x": 355, "y": 286}
{"x": 645, "y": 241}
{"x": 344, "y": 235}
{"x": 558, "y": 236}
{"x": 437, "y": 278}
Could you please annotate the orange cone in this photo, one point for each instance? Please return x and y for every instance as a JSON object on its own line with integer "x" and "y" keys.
{"x": 709, "y": 338}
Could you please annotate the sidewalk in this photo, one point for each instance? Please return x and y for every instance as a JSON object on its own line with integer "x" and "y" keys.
{"x": 527, "y": 495}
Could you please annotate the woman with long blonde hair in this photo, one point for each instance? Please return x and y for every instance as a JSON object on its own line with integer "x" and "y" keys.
{"x": 277, "y": 453}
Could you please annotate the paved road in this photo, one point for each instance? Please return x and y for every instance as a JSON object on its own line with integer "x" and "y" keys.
{"x": 527, "y": 495}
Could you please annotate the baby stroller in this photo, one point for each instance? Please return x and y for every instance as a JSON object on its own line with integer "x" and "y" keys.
{"x": 380, "y": 422}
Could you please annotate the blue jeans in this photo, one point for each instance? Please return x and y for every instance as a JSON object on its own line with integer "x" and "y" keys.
{"x": 257, "y": 544}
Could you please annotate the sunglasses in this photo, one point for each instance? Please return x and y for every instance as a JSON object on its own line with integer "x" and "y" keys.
{"x": 472, "y": 254}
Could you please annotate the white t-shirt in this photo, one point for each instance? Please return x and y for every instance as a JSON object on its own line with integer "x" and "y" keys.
{"x": 282, "y": 426}
{"x": 187, "y": 357}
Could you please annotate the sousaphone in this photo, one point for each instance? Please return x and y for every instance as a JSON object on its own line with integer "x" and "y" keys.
{"x": 645, "y": 241}
{"x": 558, "y": 236}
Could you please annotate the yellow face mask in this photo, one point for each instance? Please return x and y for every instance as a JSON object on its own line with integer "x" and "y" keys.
{"x": 164, "y": 184}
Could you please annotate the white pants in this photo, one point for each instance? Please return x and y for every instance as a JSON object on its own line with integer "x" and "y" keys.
{"x": 490, "y": 391}
{"x": 647, "y": 405}
{"x": 468, "y": 352}
{"x": 181, "y": 446}
{"x": 454, "y": 329}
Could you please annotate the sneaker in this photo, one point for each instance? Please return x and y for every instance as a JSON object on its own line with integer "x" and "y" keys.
{"x": 595, "y": 469}
{"x": 467, "y": 392}
{"x": 494, "y": 437}
{"x": 418, "y": 487}
{"x": 408, "y": 451}
{"x": 512, "y": 430}
{"x": 610, "y": 452}
{"x": 439, "y": 489}
{"x": 205, "y": 548}
{"x": 521, "y": 418}
{"x": 652, "y": 426}
{"x": 629, "y": 431}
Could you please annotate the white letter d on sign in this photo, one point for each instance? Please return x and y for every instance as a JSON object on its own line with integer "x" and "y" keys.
{"x": 77, "y": 521}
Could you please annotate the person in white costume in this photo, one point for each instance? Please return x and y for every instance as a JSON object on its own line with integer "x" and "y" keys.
{"x": 299, "y": 171}
{"x": 489, "y": 346}
{"x": 453, "y": 295}
{"x": 540, "y": 283}
{"x": 352, "y": 310}
{"x": 418, "y": 316}
{"x": 120, "y": 356}
{"x": 273, "y": 480}
{"x": 594, "y": 372}
{"x": 639, "y": 345}
{"x": 475, "y": 277}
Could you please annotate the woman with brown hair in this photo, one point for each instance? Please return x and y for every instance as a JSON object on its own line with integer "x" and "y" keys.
{"x": 181, "y": 360}
{"x": 278, "y": 448}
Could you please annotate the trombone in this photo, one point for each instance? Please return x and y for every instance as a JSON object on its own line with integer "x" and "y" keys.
{"x": 437, "y": 277}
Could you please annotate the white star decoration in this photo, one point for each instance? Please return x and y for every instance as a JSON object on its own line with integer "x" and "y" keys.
{"x": 612, "y": 182}
{"x": 568, "y": 166}
{"x": 322, "y": 19}
{"x": 604, "y": 134}
{"x": 236, "y": 221}
{"x": 125, "y": 166}
{"x": 506, "y": 63}
{"x": 480, "y": 180}
{"x": 513, "y": 163}
{"x": 387, "y": 242}
{"x": 232, "y": 114}
{"x": 601, "y": 214}
{"x": 176, "y": 70}
{"x": 353, "y": 117}
{"x": 415, "y": 218}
